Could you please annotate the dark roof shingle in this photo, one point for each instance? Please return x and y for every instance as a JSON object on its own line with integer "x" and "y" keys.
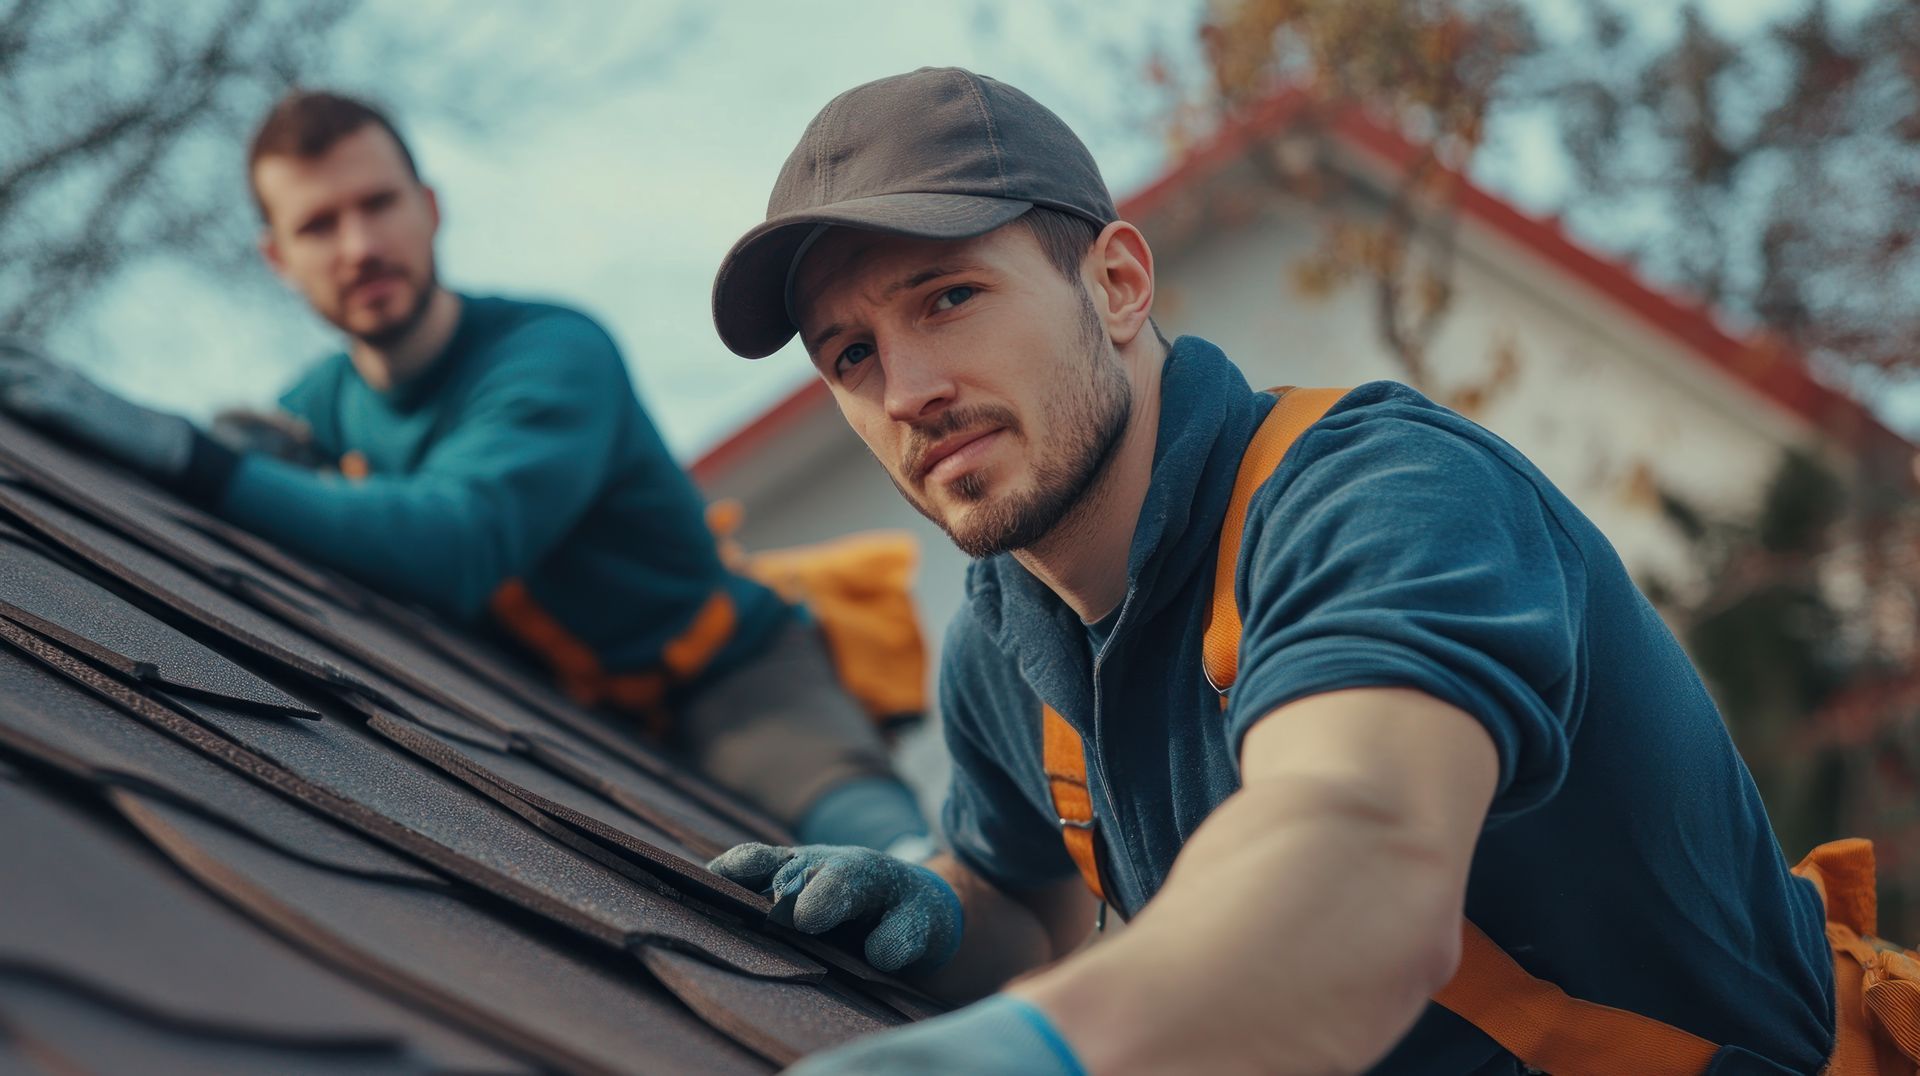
{"x": 259, "y": 818}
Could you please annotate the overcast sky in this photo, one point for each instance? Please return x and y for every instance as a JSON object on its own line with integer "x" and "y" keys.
{"x": 624, "y": 204}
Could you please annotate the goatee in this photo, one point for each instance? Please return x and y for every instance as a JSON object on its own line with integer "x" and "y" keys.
{"x": 1089, "y": 419}
{"x": 388, "y": 336}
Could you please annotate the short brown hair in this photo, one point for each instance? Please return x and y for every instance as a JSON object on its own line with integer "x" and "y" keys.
{"x": 1064, "y": 237}
{"x": 307, "y": 123}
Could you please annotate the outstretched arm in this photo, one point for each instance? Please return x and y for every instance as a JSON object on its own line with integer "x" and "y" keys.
{"x": 1307, "y": 922}
{"x": 530, "y": 450}
{"x": 1411, "y": 646}
{"x": 1301, "y": 930}
{"x": 529, "y": 453}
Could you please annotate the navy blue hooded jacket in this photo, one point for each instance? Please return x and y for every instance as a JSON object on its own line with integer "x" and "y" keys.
{"x": 1626, "y": 857}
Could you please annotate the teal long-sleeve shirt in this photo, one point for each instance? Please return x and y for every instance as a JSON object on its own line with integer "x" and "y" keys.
{"x": 521, "y": 455}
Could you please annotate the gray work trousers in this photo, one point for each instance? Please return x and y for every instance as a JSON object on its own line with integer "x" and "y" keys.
{"x": 780, "y": 729}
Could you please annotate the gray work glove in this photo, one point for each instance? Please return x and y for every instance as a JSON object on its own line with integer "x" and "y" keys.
{"x": 269, "y": 433}
{"x": 820, "y": 886}
{"x": 51, "y": 394}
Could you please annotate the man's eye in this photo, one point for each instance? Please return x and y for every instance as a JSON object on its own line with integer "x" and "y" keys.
{"x": 953, "y": 297}
{"x": 854, "y": 355}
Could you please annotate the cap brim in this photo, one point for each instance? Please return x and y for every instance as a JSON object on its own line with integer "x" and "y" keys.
{"x": 750, "y": 291}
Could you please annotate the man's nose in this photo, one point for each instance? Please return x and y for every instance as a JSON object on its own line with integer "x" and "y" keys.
{"x": 918, "y": 383}
{"x": 357, "y": 241}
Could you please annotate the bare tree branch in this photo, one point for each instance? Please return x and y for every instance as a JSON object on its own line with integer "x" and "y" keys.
{"x": 122, "y": 119}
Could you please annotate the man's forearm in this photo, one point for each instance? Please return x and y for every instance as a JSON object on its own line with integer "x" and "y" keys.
{"x": 419, "y": 540}
{"x": 1308, "y": 920}
{"x": 1003, "y": 937}
{"x": 1285, "y": 941}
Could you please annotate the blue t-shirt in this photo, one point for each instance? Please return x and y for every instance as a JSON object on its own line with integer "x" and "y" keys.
{"x": 521, "y": 454}
{"x": 1626, "y": 857}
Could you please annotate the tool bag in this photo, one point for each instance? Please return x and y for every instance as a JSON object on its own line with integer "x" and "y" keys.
{"x": 859, "y": 588}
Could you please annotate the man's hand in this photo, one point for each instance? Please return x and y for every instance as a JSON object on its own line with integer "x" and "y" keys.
{"x": 999, "y": 1035}
{"x": 270, "y": 433}
{"x": 50, "y": 394}
{"x": 821, "y": 886}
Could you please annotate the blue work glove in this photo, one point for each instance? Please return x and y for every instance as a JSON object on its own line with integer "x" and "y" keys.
{"x": 1003, "y": 1034}
{"x": 820, "y": 886}
{"x": 53, "y": 395}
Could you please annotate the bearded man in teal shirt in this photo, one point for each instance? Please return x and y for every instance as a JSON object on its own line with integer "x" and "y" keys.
{"x": 489, "y": 460}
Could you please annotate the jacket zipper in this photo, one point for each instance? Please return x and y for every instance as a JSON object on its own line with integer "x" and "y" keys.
{"x": 1095, "y": 762}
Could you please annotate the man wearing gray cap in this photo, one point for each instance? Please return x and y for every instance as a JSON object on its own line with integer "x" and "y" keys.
{"x": 1446, "y": 696}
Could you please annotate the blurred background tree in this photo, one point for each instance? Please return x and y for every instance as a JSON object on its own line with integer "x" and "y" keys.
{"x": 111, "y": 109}
{"x": 1434, "y": 69}
{"x": 1775, "y": 175}
{"x": 124, "y": 132}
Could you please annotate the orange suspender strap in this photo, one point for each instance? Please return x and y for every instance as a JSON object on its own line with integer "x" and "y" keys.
{"x": 686, "y": 654}
{"x": 1538, "y": 1023}
{"x": 578, "y": 669}
{"x": 574, "y": 664}
{"x": 1063, "y": 755}
{"x": 1065, "y": 763}
{"x": 1292, "y": 413}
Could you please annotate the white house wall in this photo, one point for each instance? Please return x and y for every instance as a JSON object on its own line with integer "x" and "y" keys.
{"x": 1597, "y": 394}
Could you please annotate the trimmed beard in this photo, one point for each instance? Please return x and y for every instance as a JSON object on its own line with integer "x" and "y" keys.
{"x": 387, "y": 338}
{"x": 1089, "y": 418}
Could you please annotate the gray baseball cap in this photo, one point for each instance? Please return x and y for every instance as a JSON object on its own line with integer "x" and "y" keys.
{"x": 939, "y": 153}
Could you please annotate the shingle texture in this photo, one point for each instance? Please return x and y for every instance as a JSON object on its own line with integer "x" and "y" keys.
{"x": 255, "y": 818}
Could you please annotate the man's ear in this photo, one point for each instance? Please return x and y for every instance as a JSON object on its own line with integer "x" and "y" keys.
{"x": 270, "y": 252}
{"x": 433, "y": 206}
{"x": 1120, "y": 267}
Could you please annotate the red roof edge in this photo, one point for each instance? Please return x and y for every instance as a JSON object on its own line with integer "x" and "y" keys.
{"x": 743, "y": 442}
{"x": 1769, "y": 366}
{"x": 1225, "y": 147}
